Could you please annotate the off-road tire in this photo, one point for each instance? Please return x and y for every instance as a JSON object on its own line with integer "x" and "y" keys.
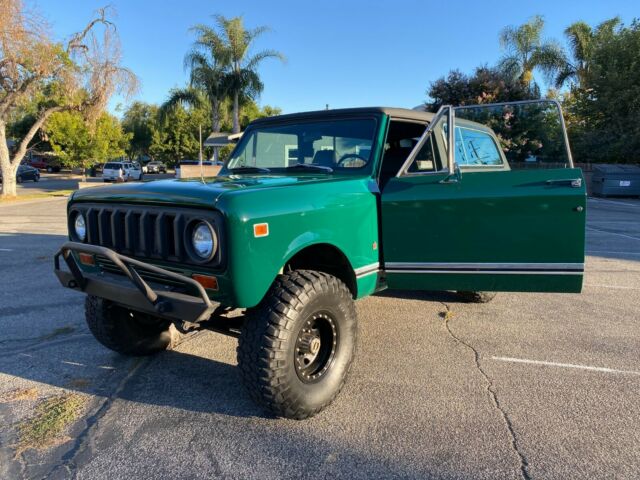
{"x": 268, "y": 342}
{"x": 476, "y": 297}
{"x": 129, "y": 332}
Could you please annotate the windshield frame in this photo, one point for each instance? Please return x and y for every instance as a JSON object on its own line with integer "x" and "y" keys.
{"x": 365, "y": 171}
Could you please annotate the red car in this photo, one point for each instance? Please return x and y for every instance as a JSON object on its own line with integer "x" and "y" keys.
{"x": 42, "y": 163}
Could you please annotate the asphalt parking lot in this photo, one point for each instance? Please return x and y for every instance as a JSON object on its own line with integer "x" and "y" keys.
{"x": 528, "y": 386}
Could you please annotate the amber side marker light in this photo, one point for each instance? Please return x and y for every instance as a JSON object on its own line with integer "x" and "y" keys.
{"x": 207, "y": 281}
{"x": 260, "y": 230}
{"x": 87, "y": 259}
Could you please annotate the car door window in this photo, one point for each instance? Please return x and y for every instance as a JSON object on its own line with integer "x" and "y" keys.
{"x": 476, "y": 148}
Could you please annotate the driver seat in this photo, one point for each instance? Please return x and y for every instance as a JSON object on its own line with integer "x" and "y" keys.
{"x": 324, "y": 158}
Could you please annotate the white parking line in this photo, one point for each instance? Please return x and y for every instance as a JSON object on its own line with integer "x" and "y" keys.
{"x": 565, "y": 365}
{"x": 6, "y": 250}
{"x": 613, "y": 233}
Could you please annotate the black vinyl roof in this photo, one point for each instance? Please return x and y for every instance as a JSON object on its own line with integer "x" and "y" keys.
{"x": 403, "y": 113}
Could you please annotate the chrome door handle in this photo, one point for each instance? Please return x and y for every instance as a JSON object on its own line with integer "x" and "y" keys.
{"x": 572, "y": 182}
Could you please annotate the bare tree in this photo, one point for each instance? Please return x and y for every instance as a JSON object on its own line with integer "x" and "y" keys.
{"x": 80, "y": 74}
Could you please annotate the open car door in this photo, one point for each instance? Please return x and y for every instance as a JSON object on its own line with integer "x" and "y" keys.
{"x": 491, "y": 204}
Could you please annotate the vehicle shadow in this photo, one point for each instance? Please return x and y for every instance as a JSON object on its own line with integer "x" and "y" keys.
{"x": 427, "y": 296}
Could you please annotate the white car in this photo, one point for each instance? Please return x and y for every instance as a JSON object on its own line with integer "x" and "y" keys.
{"x": 121, "y": 171}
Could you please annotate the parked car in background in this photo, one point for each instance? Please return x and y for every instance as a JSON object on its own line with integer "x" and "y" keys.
{"x": 156, "y": 167}
{"x": 142, "y": 167}
{"x": 121, "y": 171}
{"x": 50, "y": 165}
{"x": 24, "y": 173}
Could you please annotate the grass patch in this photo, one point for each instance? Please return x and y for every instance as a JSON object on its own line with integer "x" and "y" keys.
{"x": 447, "y": 315}
{"x": 19, "y": 394}
{"x": 52, "y": 417}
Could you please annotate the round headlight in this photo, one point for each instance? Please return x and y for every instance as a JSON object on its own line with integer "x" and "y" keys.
{"x": 204, "y": 241}
{"x": 80, "y": 227}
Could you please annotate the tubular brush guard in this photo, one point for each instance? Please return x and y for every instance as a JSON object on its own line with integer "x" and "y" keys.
{"x": 132, "y": 291}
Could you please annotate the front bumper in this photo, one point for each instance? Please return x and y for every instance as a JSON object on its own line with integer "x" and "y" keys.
{"x": 131, "y": 290}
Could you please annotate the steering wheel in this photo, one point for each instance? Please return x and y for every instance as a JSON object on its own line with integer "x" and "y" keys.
{"x": 351, "y": 156}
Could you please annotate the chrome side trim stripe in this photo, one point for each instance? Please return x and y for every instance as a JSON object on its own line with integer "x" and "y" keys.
{"x": 491, "y": 272}
{"x": 367, "y": 270}
{"x": 482, "y": 267}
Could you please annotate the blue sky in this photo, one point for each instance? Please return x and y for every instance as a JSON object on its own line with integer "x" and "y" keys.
{"x": 344, "y": 53}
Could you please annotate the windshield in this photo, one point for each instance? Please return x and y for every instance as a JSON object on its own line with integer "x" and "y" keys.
{"x": 321, "y": 146}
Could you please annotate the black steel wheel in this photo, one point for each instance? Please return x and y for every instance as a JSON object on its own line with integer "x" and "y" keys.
{"x": 316, "y": 347}
{"x": 296, "y": 348}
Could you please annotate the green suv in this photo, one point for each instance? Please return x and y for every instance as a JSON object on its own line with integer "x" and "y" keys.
{"x": 311, "y": 212}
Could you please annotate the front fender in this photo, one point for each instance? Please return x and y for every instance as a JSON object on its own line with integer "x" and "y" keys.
{"x": 339, "y": 212}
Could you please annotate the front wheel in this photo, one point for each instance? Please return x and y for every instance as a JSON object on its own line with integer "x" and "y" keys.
{"x": 49, "y": 169}
{"x": 127, "y": 331}
{"x": 296, "y": 348}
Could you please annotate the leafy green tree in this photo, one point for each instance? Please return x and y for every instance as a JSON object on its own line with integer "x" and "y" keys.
{"x": 141, "y": 121}
{"x": 78, "y": 145}
{"x": 604, "y": 113}
{"x": 582, "y": 40}
{"x": 208, "y": 63}
{"x": 177, "y": 137}
{"x": 526, "y": 51}
{"x": 485, "y": 85}
{"x": 241, "y": 79}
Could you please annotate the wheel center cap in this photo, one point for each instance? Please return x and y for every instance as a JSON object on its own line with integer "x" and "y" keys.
{"x": 314, "y": 345}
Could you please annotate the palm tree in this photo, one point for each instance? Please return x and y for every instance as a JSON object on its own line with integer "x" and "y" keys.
{"x": 208, "y": 63}
{"x": 527, "y": 51}
{"x": 242, "y": 79}
{"x": 582, "y": 38}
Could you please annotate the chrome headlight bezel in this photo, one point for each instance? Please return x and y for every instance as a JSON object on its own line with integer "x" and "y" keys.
{"x": 198, "y": 254}
{"x": 79, "y": 227}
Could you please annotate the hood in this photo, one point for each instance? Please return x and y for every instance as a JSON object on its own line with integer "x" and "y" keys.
{"x": 190, "y": 192}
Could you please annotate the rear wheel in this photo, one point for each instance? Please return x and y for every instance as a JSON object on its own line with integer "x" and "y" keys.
{"x": 297, "y": 346}
{"x": 476, "y": 297}
{"x": 129, "y": 332}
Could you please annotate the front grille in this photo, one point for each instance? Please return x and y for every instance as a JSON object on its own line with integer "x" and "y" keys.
{"x": 136, "y": 233}
{"x": 147, "y": 232}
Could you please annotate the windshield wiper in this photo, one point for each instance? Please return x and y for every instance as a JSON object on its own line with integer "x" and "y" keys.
{"x": 249, "y": 169}
{"x": 311, "y": 166}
